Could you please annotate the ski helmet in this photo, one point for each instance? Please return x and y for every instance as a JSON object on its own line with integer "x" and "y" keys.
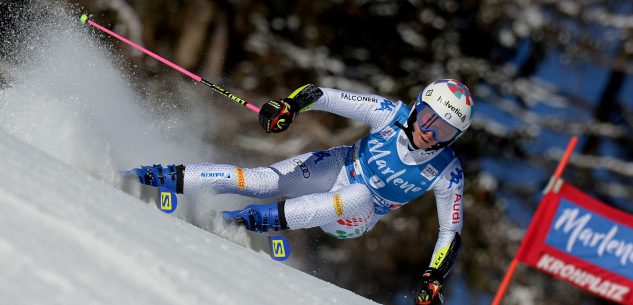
{"x": 445, "y": 108}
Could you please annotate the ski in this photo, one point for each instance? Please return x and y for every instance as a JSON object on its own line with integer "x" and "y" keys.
{"x": 279, "y": 247}
{"x": 164, "y": 199}
{"x": 168, "y": 202}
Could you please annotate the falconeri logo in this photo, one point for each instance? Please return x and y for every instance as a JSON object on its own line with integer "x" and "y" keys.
{"x": 358, "y": 98}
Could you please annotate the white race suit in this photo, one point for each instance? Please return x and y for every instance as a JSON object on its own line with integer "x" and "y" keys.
{"x": 346, "y": 190}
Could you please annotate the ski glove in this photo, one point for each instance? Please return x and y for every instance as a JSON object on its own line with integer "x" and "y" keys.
{"x": 276, "y": 116}
{"x": 430, "y": 286}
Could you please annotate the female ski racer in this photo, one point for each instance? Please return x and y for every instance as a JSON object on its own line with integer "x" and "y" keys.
{"x": 346, "y": 190}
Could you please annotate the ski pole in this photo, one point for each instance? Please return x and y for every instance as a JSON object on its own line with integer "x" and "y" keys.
{"x": 197, "y": 78}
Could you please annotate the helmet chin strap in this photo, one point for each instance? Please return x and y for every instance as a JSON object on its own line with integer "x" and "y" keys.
{"x": 409, "y": 129}
{"x": 409, "y": 132}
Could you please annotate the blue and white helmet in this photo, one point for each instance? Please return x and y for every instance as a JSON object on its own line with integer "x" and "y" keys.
{"x": 450, "y": 99}
{"x": 445, "y": 108}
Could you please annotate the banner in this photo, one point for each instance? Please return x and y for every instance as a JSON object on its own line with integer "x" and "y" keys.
{"x": 583, "y": 241}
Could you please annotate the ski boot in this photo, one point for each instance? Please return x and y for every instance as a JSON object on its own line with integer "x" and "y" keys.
{"x": 259, "y": 217}
{"x": 170, "y": 177}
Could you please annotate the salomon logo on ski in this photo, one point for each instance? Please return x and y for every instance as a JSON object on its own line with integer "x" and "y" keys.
{"x": 168, "y": 201}
{"x": 280, "y": 248}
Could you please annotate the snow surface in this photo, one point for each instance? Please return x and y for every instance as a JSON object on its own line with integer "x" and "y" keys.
{"x": 69, "y": 238}
{"x": 70, "y": 118}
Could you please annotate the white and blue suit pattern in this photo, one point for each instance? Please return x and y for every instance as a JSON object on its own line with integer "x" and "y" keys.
{"x": 346, "y": 190}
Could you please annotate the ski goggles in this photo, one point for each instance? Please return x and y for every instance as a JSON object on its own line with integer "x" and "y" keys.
{"x": 428, "y": 120}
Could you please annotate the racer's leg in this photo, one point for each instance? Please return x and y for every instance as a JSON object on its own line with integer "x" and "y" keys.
{"x": 351, "y": 227}
{"x": 350, "y": 206}
{"x": 305, "y": 174}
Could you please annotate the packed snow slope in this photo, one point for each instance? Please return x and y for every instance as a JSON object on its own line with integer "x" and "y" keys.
{"x": 69, "y": 238}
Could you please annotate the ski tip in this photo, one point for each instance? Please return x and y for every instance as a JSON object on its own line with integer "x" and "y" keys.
{"x": 84, "y": 18}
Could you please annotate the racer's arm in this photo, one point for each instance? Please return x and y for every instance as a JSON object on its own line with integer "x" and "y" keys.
{"x": 376, "y": 111}
{"x": 449, "y": 192}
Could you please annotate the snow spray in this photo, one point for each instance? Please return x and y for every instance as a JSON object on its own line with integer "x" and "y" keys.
{"x": 74, "y": 98}
{"x": 49, "y": 99}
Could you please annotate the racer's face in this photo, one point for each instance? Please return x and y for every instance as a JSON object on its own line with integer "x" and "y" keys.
{"x": 423, "y": 139}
